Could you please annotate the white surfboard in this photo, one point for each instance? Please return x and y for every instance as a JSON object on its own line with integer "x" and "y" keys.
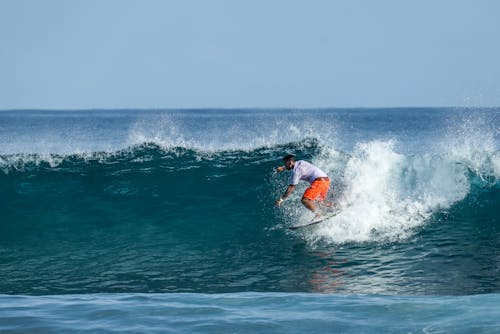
{"x": 316, "y": 221}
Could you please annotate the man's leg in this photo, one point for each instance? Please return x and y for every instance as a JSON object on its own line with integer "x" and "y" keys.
{"x": 311, "y": 206}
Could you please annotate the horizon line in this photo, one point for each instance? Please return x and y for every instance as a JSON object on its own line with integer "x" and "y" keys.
{"x": 245, "y": 108}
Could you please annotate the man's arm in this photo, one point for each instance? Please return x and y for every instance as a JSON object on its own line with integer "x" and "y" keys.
{"x": 287, "y": 193}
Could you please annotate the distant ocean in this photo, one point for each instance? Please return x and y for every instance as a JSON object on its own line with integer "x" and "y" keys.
{"x": 164, "y": 221}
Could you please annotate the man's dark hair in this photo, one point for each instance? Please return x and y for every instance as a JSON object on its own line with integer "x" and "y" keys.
{"x": 289, "y": 157}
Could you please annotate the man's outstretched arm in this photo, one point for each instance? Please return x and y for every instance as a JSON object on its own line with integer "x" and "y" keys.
{"x": 287, "y": 193}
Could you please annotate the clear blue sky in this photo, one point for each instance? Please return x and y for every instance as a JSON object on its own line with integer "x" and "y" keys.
{"x": 272, "y": 53}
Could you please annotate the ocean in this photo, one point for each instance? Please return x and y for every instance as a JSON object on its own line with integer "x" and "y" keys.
{"x": 145, "y": 221}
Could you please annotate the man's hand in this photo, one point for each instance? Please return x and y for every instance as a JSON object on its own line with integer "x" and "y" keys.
{"x": 280, "y": 169}
{"x": 287, "y": 194}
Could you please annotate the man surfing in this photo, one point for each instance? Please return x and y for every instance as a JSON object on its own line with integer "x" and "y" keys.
{"x": 303, "y": 170}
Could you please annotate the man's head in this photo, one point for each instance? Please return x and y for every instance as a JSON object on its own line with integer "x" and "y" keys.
{"x": 289, "y": 161}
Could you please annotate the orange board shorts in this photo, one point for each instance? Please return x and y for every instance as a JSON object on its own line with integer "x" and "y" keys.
{"x": 317, "y": 190}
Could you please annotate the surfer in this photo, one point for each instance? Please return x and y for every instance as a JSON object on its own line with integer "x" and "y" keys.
{"x": 303, "y": 170}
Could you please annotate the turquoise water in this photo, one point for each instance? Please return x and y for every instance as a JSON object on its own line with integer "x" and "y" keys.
{"x": 170, "y": 215}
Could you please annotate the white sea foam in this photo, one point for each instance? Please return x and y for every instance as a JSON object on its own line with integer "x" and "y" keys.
{"x": 20, "y": 161}
{"x": 495, "y": 163}
{"x": 210, "y": 134}
{"x": 387, "y": 194}
{"x": 471, "y": 140}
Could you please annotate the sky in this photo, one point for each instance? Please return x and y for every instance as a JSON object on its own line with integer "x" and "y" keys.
{"x": 93, "y": 54}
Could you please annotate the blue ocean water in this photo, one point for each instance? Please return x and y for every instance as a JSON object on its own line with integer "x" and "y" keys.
{"x": 164, "y": 220}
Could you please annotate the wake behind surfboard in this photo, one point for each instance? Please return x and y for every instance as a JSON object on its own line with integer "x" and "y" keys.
{"x": 316, "y": 221}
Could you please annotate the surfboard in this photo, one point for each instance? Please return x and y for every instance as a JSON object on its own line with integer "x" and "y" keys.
{"x": 316, "y": 221}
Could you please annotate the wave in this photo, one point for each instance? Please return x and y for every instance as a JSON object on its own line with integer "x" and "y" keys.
{"x": 384, "y": 195}
{"x": 183, "y": 201}
{"x": 248, "y": 312}
{"x": 144, "y": 156}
